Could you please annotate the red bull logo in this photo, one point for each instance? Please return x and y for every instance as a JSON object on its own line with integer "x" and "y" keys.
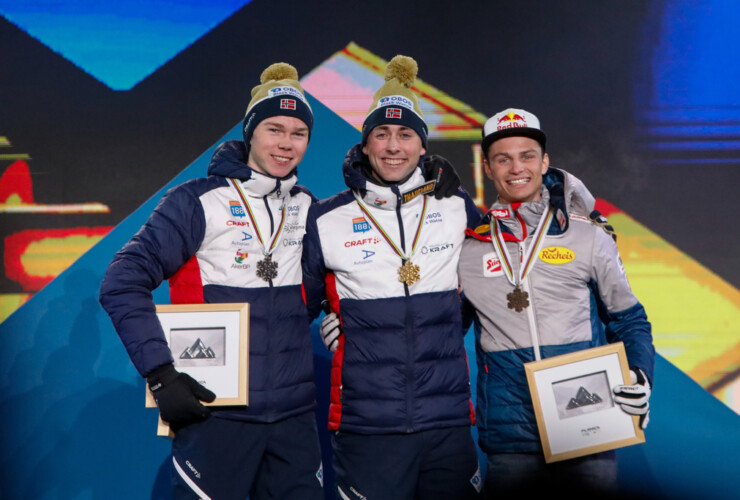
{"x": 511, "y": 120}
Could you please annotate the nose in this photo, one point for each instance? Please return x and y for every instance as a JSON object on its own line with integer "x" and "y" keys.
{"x": 285, "y": 143}
{"x": 392, "y": 144}
{"x": 516, "y": 166}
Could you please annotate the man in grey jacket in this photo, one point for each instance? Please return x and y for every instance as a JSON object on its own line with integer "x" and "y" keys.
{"x": 543, "y": 280}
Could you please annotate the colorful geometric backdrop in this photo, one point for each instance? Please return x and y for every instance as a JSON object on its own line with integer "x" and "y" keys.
{"x": 103, "y": 105}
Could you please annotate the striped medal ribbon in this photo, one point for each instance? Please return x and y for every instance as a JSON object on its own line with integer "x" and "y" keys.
{"x": 267, "y": 269}
{"x": 519, "y": 299}
{"x": 408, "y": 273}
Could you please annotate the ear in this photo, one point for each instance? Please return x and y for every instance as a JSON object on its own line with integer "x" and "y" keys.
{"x": 423, "y": 151}
{"x": 487, "y": 169}
{"x": 364, "y": 149}
{"x": 545, "y": 163}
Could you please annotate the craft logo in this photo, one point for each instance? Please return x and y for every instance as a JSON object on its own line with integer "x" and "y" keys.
{"x": 396, "y": 100}
{"x": 287, "y": 103}
{"x": 240, "y": 256}
{"x": 360, "y": 225}
{"x": 436, "y": 248}
{"x": 557, "y": 255}
{"x": 491, "y": 265}
{"x": 393, "y": 113}
{"x": 511, "y": 120}
{"x": 237, "y": 222}
{"x": 364, "y": 241}
{"x": 236, "y": 209}
{"x": 367, "y": 254}
{"x": 500, "y": 213}
{"x": 425, "y": 188}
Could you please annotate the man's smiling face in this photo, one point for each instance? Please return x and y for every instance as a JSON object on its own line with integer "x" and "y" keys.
{"x": 516, "y": 166}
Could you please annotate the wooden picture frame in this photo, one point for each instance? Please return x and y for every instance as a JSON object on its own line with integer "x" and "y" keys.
{"x": 209, "y": 342}
{"x": 574, "y": 403}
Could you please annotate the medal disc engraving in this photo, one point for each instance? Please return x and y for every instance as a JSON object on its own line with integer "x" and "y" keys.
{"x": 408, "y": 273}
{"x": 267, "y": 269}
{"x": 518, "y": 299}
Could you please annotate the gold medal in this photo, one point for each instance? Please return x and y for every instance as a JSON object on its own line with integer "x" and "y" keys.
{"x": 518, "y": 299}
{"x": 408, "y": 273}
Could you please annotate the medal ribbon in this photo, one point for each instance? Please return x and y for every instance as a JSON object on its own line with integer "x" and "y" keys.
{"x": 245, "y": 204}
{"x": 528, "y": 258}
{"x": 385, "y": 235}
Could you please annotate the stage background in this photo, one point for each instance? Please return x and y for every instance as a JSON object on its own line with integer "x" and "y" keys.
{"x": 104, "y": 107}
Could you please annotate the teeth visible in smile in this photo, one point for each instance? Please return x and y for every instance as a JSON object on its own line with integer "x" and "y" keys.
{"x": 283, "y": 159}
{"x": 394, "y": 161}
{"x": 519, "y": 181}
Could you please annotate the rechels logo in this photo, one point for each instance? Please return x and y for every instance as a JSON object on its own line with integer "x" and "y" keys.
{"x": 557, "y": 255}
{"x": 236, "y": 209}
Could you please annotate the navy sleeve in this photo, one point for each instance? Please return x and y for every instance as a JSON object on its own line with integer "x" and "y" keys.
{"x": 164, "y": 243}
{"x": 314, "y": 269}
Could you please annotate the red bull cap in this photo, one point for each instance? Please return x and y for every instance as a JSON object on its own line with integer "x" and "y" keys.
{"x": 512, "y": 122}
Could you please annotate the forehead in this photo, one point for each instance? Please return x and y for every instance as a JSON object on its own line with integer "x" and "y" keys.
{"x": 393, "y": 128}
{"x": 287, "y": 122}
{"x": 513, "y": 146}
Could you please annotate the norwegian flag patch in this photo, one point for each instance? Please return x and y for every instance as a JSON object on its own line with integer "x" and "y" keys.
{"x": 393, "y": 113}
{"x": 287, "y": 103}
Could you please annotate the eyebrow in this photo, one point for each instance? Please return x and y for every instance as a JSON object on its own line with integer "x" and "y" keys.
{"x": 281, "y": 126}
{"x": 506, "y": 153}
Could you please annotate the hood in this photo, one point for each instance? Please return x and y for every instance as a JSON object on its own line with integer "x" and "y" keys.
{"x": 230, "y": 160}
{"x": 576, "y": 197}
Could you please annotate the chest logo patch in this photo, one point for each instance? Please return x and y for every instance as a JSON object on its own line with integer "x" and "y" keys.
{"x": 557, "y": 255}
{"x": 491, "y": 265}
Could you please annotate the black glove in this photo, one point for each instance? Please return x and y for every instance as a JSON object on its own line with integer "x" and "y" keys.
{"x": 603, "y": 223}
{"x": 438, "y": 168}
{"x": 178, "y": 396}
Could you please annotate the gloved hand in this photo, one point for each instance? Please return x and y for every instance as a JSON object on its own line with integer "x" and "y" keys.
{"x": 438, "y": 168}
{"x": 634, "y": 399}
{"x": 603, "y": 223}
{"x": 330, "y": 331}
{"x": 178, "y": 396}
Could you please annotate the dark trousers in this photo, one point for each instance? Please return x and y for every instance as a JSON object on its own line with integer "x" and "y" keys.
{"x": 228, "y": 459}
{"x": 427, "y": 465}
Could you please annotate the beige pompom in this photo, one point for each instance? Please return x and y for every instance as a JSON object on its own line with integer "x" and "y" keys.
{"x": 279, "y": 71}
{"x": 402, "y": 68}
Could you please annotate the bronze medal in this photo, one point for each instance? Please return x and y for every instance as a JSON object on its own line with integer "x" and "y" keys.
{"x": 267, "y": 269}
{"x": 518, "y": 299}
{"x": 408, "y": 273}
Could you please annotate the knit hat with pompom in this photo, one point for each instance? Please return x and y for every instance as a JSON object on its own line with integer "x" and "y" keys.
{"x": 279, "y": 93}
{"x": 395, "y": 103}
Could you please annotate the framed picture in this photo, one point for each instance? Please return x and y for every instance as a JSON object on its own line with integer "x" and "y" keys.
{"x": 209, "y": 342}
{"x": 574, "y": 404}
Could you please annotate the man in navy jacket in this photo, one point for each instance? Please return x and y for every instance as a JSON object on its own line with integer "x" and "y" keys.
{"x": 234, "y": 236}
